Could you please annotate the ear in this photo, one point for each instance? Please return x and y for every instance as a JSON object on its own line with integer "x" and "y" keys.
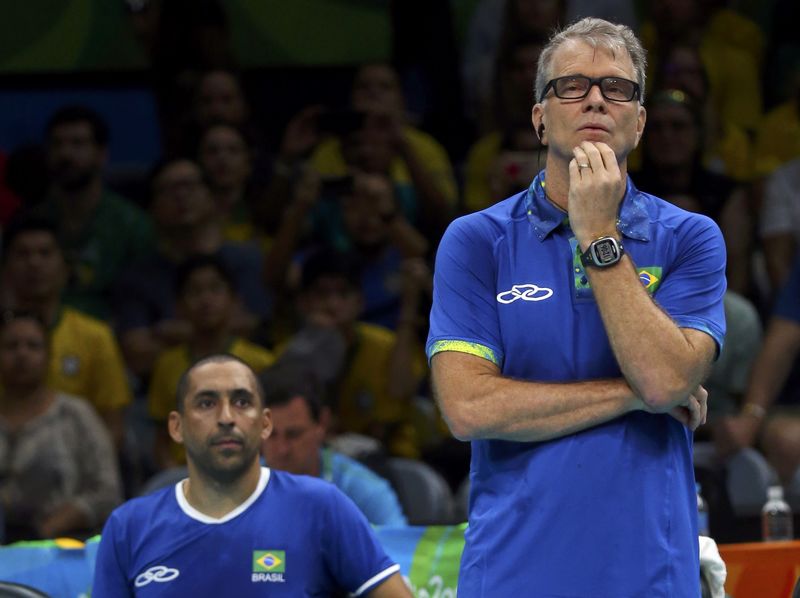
{"x": 266, "y": 420}
{"x": 537, "y": 120}
{"x": 175, "y": 426}
{"x": 640, "y": 121}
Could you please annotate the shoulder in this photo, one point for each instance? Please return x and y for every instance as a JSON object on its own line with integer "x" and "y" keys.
{"x": 490, "y": 223}
{"x": 669, "y": 216}
{"x": 374, "y": 333}
{"x": 78, "y": 322}
{"x": 120, "y": 206}
{"x": 173, "y": 357}
{"x": 302, "y": 487}
{"x": 256, "y": 356}
{"x": 424, "y": 143}
{"x": 138, "y": 511}
{"x": 75, "y": 407}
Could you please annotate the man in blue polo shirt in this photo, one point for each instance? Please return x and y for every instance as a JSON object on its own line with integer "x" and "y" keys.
{"x": 571, "y": 327}
{"x": 234, "y": 528}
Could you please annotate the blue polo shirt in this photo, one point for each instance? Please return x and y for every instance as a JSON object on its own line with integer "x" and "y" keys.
{"x": 609, "y": 511}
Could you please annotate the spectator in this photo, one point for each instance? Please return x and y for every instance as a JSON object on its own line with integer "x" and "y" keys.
{"x": 58, "y": 474}
{"x": 300, "y": 422}
{"x": 85, "y": 360}
{"x": 207, "y": 300}
{"x": 495, "y": 27}
{"x": 187, "y": 223}
{"x": 778, "y": 139}
{"x": 318, "y": 542}
{"x": 766, "y": 417}
{"x": 779, "y": 222}
{"x": 673, "y": 170}
{"x": 100, "y": 231}
{"x": 373, "y": 392}
{"x": 726, "y": 147}
{"x": 727, "y": 382}
{"x": 506, "y": 159}
{"x": 379, "y": 140}
{"x": 225, "y": 155}
{"x": 732, "y": 67}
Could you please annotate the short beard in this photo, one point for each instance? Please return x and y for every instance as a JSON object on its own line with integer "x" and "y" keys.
{"x": 224, "y": 476}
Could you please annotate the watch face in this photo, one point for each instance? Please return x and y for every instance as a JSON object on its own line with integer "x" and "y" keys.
{"x": 605, "y": 252}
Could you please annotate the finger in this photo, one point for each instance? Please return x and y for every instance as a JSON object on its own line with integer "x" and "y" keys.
{"x": 581, "y": 159}
{"x": 609, "y": 158}
{"x": 595, "y": 159}
{"x": 681, "y": 414}
{"x": 696, "y": 412}
{"x": 574, "y": 172}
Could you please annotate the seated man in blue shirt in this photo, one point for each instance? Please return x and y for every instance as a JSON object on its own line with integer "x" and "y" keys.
{"x": 571, "y": 327}
{"x": 234, "y": 528}
{"x": 299, "y": 425}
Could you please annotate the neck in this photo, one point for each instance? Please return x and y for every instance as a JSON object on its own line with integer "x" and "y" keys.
{"x": 216, "y": 499}
{"x": 557, "y": 179}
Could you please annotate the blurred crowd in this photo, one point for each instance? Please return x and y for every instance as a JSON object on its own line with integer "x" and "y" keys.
{"x": 310, "y": 251}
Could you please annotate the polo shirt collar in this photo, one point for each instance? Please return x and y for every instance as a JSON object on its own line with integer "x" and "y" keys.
{"x": 545, "y": 216}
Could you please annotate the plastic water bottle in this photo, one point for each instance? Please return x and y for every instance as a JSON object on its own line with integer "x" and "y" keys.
{"x": 702, "y": 514}
{"x": 776, "y": 517}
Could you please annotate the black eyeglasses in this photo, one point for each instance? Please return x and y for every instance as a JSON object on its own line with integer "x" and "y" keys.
{"x": 577, "y": 87}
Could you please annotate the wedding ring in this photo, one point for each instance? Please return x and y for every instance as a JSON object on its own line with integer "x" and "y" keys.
{"x": 584, "y": 166}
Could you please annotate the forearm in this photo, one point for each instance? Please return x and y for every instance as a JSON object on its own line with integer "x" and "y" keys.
{"x": 277, "y": 260}
{"x": 406, "y": 238}
{"x": 656, "y": 358}
{"x": 488, "y": 405}
{"x": 434, "y": 203}
{"x": 774, "y": 362}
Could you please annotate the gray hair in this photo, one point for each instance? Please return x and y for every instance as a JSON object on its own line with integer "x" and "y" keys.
{"x": 597, "y": 33}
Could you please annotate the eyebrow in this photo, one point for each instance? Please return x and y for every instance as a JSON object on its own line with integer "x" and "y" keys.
{"x": 215, "y": 394}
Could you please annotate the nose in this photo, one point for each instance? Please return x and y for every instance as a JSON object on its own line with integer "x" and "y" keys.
{"x": 594, "y": 100}
{"x": 225, "y": 416}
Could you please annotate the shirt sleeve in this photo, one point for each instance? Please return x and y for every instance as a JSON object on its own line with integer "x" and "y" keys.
{"x": 352, "y": 551}
{"x": 464, "y": 312}
{"x": 110, "y": 579}
{"x": 693, "y": 289}
{"x": 776, "y": 212}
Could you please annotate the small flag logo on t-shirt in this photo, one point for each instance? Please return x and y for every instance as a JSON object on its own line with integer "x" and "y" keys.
{"x": 269, "y": 566}
{"x": 269, "y": 561}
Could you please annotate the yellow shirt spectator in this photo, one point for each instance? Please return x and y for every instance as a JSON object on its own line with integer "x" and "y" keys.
{"x": 86, "y": 361}
{"x": 778, "y": 138}
{"x": 364, "y": 400}
{"x": 328, "y": 160}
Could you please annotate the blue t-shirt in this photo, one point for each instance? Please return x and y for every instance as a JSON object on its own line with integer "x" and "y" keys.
{"x": 372, "y": 494}
{"x": 608, "y": 512}
{"x": 295, "y": 536}
{"x": 787, "y": 303}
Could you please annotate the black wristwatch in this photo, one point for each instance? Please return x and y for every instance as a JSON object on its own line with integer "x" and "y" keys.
{"x": 602, "y": 253}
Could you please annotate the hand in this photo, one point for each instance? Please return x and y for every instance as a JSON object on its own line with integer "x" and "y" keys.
{"x": 596, "y": 188}
{"x": 300, "y": 135}
{"x": 416, "y": 275}
{"x": 692, "y": 412}
{"x": 733, "y": 433}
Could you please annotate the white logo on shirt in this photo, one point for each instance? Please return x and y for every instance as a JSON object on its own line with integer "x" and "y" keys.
{"x": 526, "y": 292}
{"x": 159, "y": 574}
